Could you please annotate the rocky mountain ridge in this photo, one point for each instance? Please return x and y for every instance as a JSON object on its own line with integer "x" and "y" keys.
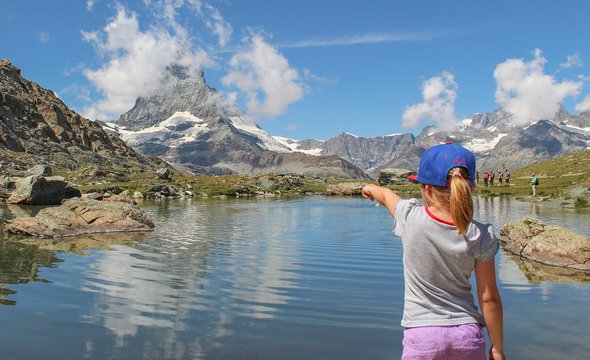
{"x": 186, "y": 123}
{"x": 495, "y": 140}
{"x": 36, "y": 127}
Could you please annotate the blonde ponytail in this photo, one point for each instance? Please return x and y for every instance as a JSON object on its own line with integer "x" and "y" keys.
{"x": 461, "y": 203}
{"x": 456, "y": 198}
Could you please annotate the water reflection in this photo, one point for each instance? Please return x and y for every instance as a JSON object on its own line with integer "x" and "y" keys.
{"x": 219, "y": 279}
{"x": 20, "y": 264}
{"x": 22, "y": 258}
{"x": 537, "y": 273}
{"x": 534, "y": 210}
{"x": 514, "y": 271}
{"x": 208, "y": 262}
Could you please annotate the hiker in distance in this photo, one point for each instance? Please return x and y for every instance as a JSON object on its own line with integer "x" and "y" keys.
{"x": 442, "y": 246}
{"x": 534, "y": 183}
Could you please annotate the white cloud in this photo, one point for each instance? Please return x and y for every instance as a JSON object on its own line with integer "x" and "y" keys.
{"x": 89, "y": 5}
{"x": 90, "y": 36}
{"x": 584, "y": 105}
{"x": 216, "y": 23}
{"x": 78, "y": 92}
{"x": 43, "y": 37}
{"x": 369, "y": 38}
{"x": 261, "y": 70}
{"x": 439, "y": 94}
{"x": 523, "y": 89}
{"x": 136, "y": 62}
{"x": 210, "y": 16}
{"x": 572, "y": 60}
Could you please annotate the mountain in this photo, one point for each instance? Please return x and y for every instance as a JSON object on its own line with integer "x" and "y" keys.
{"x": 493, "y": 137}
{"x": 516, "y": 146}
{"x": 36, "y": 127}
{"x": 368, "y": 153}
{"x": 184, "y": 122}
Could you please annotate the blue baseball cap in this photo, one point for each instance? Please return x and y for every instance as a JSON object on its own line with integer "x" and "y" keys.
{"x": 437, "y": 161}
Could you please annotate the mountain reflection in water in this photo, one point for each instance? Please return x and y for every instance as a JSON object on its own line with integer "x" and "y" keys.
{"x": 222, "y": 279}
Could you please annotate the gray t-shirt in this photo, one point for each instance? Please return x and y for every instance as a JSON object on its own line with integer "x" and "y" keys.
{"x": 437, "y": 265}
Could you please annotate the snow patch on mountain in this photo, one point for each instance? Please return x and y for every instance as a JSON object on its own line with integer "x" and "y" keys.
{"x": 577, "y": 128}
{"x": 181, "y": 127}
{"x": 266, "y": 141}
{"x": 482, "y": 145}
{"x": 294, "y": 145}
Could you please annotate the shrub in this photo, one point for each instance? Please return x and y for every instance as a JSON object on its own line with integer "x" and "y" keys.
{"x": 581, "y": 203}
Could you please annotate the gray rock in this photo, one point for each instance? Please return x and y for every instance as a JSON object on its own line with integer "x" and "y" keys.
{"x": 8, "y": 183}
{"x": 124, "y": 196}
{"x": 163, "y": 191}
{"x": 547, "y": 244}
{"x": 81, "y": 216}
{"x": 393, "y": 176}
{"x": 36, "y": 121}
{"x": 40, "y": 190}
{"x": 349, "y": 188}
{"x": 42, "y": 170}
{"x": 163, "y": 173}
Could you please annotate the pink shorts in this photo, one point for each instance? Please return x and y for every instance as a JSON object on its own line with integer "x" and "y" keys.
{"x": 460, "y": 342}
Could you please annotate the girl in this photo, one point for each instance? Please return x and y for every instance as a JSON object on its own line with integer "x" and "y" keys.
{"x": 442, "y": 246}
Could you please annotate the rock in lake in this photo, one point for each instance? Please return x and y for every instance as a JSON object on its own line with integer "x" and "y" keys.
{"x": 349, "y": 188}
{"x": 547, "y": 244}
{"x": 81, "y": 216}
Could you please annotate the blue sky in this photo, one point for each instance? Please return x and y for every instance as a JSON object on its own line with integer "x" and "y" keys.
{"x": 312, "y": 69}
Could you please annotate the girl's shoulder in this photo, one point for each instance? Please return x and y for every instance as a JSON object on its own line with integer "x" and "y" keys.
{"x": 483, "y": 241}
{"x": 405, "y": 207}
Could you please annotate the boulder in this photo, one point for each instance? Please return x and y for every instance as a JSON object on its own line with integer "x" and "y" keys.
{"x": 548, "y": 244}
{"x": 81, "y": 216}
{"x": 163, "y": 191}
{"x": 124, "y": 196}
{"x": 8, "y": 183}
{"x": 393, "y": 176}
{"x": 42, "y": 170}
{"x": 349, "y": 188}
{"x": 163, "y": 173}
{"x": 40, "y": 190}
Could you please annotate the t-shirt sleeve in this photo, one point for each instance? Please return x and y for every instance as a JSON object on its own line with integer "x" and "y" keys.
{"x": 402, "y": 210}
{"x": 488, "y": 244}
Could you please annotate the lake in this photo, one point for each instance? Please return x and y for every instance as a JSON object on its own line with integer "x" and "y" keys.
{"x": 300, "y": 278}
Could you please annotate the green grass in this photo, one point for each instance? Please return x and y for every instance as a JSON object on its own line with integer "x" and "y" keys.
{"x": 581, "y": 203}
{"x": 227, "y": 185}
{"x": 565, "y": 177}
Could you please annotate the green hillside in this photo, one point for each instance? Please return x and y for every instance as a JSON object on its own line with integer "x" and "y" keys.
{"x": 566, "y": 177}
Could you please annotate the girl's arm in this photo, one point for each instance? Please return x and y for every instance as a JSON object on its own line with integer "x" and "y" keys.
{"x": 383, "y": 196}
{"x": 491, "y": 306}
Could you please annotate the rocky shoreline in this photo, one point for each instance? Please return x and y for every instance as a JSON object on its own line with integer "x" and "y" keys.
{"x": 547, "y": 244}
{"x": 108, "y": 208}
